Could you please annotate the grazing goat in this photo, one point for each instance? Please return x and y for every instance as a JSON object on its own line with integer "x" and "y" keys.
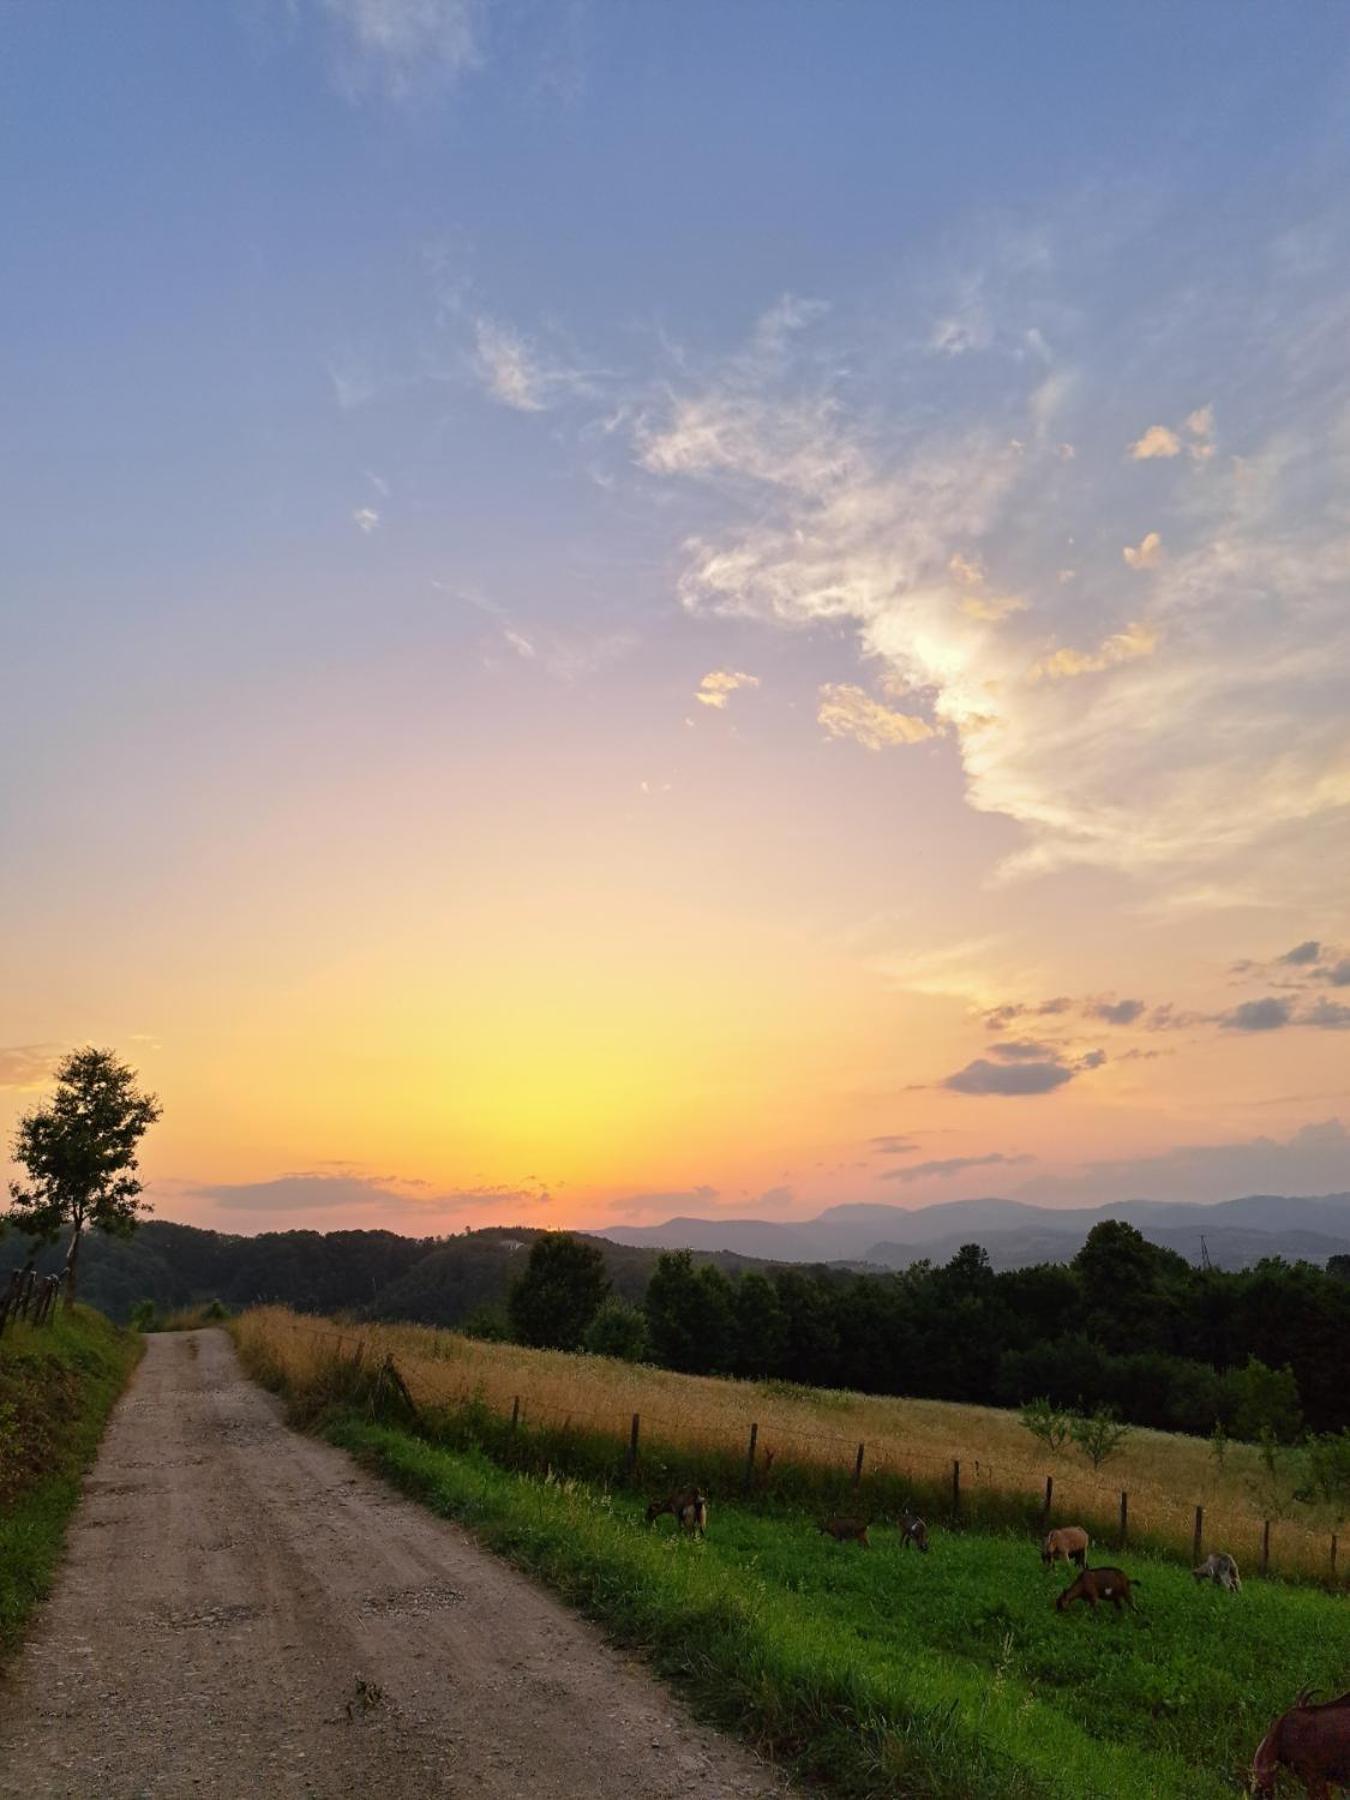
{"x": 1069, "y": 1544}
{"x": 1097, "y": 1584}
{"x": 1312, "y": 1742}
{"x": 1221, "y": 1569}
{"x": 913, "y": 1531}
{"x": 847, "y": 1530}
{"x": 688, "y": 1506}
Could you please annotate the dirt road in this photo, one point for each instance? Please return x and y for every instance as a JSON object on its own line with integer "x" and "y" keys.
{"x": 244, "y": 1612}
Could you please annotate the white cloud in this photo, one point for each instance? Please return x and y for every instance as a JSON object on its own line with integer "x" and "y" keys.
{"x": 850, "y": 712}
{"x": 1156, "y": 441}
{"x": 717, "y": 687}
{"x": 366, "y": 519}
{"x": 1215, "y": 722}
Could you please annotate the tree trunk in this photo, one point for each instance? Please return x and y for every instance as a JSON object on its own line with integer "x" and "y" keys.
{"x": 72, "y": 1260}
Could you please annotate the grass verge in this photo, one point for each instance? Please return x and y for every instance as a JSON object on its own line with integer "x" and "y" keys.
{"x": 890, "y": 1673}
{"x": 57, "y": 1387}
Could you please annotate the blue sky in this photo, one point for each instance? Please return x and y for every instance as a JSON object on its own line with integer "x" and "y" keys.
{"x": 846, "y": 502}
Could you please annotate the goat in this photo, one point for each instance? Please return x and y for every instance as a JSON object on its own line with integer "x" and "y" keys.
{"x": 1312, "y": 1742}
{"x": 1070, "y": 1543}
{"x": 687, "y": 1506}
{"x": 846, "y": 1531}
{"x": 1221, "y": 1569}
{"x": 913, "y": 1531}
{"x": 1094, "y": 1585}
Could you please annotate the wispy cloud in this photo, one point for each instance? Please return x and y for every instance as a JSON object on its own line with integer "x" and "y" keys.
{"x": 27, "y": 1065}
{"x": 366, "y": 519}
{"x": 937, "y": 533}
{"x": 320, "y": 1190}
{"x": 402, "y": 48}
{"x": 941, "y": 1168}
{"x": 521, "y": 373}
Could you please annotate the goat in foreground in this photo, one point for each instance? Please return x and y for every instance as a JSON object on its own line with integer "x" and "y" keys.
{"x": 1069, "y": 1544}
{"x": 846, "y": 1531}
{"x": 687, "y": 1506}
{"x": 1095, "y": 1585}
{"x": 1312, "y": 1742}
{"x": 913, "y": 1531}
{"x": 1222, "y": 1570}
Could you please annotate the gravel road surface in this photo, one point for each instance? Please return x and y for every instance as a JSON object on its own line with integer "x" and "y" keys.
{"x": 245, "y": 1612}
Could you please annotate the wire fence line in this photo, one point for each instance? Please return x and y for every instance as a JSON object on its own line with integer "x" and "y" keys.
{"x": 961, "y": 1485}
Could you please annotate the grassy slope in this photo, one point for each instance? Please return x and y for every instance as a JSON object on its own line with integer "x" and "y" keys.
{"x": 947, "y": 1676}
{"x": 910, "y": 1443}
{"x": 57, "y": 1387}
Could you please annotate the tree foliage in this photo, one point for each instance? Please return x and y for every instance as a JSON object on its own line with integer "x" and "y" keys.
{"x": 559, "y": 1292}
{"x": 79, "y": 1151}
{"x": 1048, "y": 1424}
{"x": 618, "y": 1330}
{"x": 1100, "y": 1435}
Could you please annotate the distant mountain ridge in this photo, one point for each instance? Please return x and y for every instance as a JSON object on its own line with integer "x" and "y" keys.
{"x": 1017, "y": 1232}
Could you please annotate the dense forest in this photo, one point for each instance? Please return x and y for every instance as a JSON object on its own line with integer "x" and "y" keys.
{"x": 1125, "y": 1324}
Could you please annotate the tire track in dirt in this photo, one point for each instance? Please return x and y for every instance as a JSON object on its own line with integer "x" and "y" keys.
{"x": 245, "y": 1612}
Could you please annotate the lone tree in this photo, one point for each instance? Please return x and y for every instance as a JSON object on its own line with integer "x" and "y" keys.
{"x": 559, "y": 1292}
{"x": 79, "y": 1149}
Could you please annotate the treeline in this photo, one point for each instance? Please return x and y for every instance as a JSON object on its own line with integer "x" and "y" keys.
{"x": 1126, "y": 1325}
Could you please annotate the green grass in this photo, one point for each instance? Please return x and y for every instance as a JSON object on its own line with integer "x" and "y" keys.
{"x": 887, "y": 1672}
{"x": 57, "y": 1387}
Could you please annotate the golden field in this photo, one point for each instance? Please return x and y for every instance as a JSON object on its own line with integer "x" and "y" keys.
{"x": 1166, "y": 1475}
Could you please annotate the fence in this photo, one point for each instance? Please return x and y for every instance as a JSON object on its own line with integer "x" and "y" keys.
{"x": 28, "y": 1295}
{"x": 779, "y": 1457}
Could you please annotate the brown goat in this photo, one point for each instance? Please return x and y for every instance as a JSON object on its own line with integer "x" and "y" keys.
{"x": 1312, "y": 1742}
{"x": 1069, "y": 1544}
{"x": 1094, "y": 1585}
{"x": 913, "y": 1531}
{"x": 688, "y": 1507}
{"x": 847, "y": 1531}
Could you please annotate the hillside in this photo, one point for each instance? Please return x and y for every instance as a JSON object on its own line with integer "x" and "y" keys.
{"x": 435, "y": 1281}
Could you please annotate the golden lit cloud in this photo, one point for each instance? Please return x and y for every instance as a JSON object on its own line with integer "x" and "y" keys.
{"x": 717, "y": 687}
{"x": 1158, "y": 440}
{"x": 850, "y": 712}
{"x": 1122, "y": 646}
{"x": 1146, "y": 554}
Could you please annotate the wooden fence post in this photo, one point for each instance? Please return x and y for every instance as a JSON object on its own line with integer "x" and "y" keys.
{"x": 515, "y": 1412}
{"x": 956, "y": 1489}
{"x": 857, "y": 1465}
{"x": 1197, "y": 1543}
{"x": 750, "y": 1458}
{"x": 633, "y": 1444}
{"x": 1265, "y": 1546}
{"x": 1046, "y": 1503}
{"x": 1124, "y": 1518}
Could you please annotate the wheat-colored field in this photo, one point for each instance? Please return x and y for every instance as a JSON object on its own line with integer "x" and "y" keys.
{"x": 1166, "y": 1475}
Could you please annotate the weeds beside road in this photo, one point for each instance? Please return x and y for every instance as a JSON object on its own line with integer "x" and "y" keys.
{"x": 57, "y": 1387}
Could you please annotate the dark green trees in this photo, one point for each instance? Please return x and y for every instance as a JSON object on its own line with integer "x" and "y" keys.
{"x": 79, "y": 1149}
{"x": 559, "y": 1292}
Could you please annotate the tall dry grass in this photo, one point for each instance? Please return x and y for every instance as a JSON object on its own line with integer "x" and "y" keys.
{"x": 1166, "y": 1475}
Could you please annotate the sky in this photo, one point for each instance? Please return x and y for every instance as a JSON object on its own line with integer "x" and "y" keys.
{"x": 619, "y": 610}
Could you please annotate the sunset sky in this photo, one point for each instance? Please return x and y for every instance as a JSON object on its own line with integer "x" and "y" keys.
{"x": 615, "y": 610}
